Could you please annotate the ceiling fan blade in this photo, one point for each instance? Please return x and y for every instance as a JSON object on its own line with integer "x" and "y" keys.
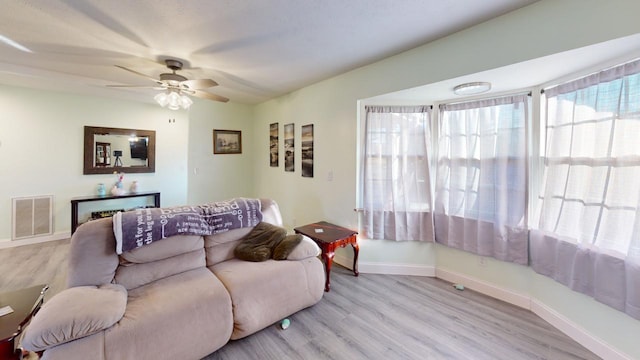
{"x": 209, "y": 96}
{"x": 137, "y": 86}
{"x": 139, "y": 73}
{"x": 199, "y": 84}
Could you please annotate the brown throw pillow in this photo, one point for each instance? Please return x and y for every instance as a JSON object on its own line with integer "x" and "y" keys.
{"x": 258, "y": 245}
{"x": 286, "y": 246}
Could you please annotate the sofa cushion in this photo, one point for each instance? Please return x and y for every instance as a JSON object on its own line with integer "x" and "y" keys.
{"x": 266, "y": 292}
{"x": 135, "y": 275}
{"x": 258, "y": 245}
{"x": 185, "y": 316}
{"x": 305, "y": 249}
{"x": 166, "y": 248}
{"x": 89, "y": 347}
{"x": 75, "y": 313}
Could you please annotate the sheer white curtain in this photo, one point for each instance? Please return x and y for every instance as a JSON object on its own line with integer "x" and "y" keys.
{"x": 480, "y": 196}
{"x": 396, "y": 194}
{"x": 588, "y": 236}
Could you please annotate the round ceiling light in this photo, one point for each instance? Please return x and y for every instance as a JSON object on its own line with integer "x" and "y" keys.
{"x": 472, "y": 88}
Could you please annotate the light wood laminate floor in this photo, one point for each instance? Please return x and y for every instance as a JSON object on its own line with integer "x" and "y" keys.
{"x": 365, "y": 317}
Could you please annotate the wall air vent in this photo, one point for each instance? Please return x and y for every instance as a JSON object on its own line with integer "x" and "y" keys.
{"x": 32, "y": 216}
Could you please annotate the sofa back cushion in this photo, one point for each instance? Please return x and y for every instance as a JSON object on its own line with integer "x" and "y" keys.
{"x": 220, "y": 247}
{"x": 92, "y": 257}
{"x": 134, "y": 275}
{"x": 159, "y": 250}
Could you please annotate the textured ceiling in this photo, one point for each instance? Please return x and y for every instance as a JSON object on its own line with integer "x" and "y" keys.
{"x": 255, "y": 49}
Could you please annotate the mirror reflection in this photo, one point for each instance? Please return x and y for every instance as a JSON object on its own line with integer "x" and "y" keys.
{"x": 113, "y": 149}
{"x": 120, "y": 150}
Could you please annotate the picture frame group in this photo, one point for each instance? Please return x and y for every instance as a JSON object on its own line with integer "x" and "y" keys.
{"x": 306, "y": 142}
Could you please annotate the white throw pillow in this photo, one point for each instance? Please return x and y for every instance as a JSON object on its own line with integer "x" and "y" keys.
{"x": 305, "y": 249}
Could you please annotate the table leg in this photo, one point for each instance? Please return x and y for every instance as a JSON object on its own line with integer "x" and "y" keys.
{"x": 356, "y": 250}
{"x": 328, "y": 261}
{"x": 8, "y": 350}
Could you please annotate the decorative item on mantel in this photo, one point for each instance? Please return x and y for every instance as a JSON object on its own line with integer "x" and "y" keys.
{"x": 118, "y": 188}
{"x": 102, "y": 191}
{"x": 134, "y": 187}
{"x": 116, "y": 191}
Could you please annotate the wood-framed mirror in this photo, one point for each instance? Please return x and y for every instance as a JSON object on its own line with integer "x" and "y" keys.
{"x": 123, "y": 150}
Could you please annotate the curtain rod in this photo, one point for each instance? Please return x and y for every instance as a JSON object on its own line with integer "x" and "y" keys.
{"x": 487, "y": 98}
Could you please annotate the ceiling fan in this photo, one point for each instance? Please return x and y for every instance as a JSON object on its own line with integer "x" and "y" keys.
{"x": 176, "y": 87}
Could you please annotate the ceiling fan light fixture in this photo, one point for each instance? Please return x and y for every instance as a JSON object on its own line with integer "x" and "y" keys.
{"x": 174, "y": 100}
{"x": 162, "y": 99}
{"x": 177, "y": 88}
{"x": 185, "y": 102}
{"x": 472, "y": 88}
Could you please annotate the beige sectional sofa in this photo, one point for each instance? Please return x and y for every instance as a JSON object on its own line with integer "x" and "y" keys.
{"x": 172, "y": 299}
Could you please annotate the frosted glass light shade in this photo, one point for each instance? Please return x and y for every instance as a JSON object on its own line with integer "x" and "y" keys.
{"x": 185, "y": 102}
{"x": 161, "y": 99}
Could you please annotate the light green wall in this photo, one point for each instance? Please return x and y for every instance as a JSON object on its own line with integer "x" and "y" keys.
{"x": 214, "y": 176}
{"x": 41, "y": 148}
{"x": 41, "y": 151}
{"x": 544, "y": 28}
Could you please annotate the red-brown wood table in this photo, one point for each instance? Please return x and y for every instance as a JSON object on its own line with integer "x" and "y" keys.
{"x": 25, "y": 303}
{"x": 329, "y": 237}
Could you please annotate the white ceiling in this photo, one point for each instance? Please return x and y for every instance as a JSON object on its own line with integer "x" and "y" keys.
{"x": 525, "y": 75}
{"x": 255, "y": 49}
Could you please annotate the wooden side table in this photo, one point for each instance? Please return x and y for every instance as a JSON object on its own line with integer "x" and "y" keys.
{"x": 329, "y": 237}
{"x": 25, "y": 303}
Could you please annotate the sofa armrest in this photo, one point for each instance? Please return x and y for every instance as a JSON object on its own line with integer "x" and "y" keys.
{"x": 75, "y": 313}
{"x": 305, "y": 249}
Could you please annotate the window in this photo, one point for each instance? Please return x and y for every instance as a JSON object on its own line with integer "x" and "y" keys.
{"x": 480, "y": 196}
{"x": 589, "y": 225}
{"x": 396, "y": 186}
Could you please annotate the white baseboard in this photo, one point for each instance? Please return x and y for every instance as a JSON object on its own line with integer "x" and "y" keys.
{"x": 486, "y": 288}
{"x": 8, "y": 243}
{"x": 575, "y": 332}
{"x": 551, "y": 316}
{"x": 386, "y": 268}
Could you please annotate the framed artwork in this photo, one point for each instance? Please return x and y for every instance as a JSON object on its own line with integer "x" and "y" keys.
{"x": 289, "y": 147}
{"x": 227, "y": 142}
{"x": 307, "y": 150}
{"x": 274, "y": 144}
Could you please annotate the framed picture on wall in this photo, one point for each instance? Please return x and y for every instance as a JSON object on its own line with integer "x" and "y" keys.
{"x": 227, "y": 142}
{"x": 274, "y": 145}
{"x": 307, "y": 150}
{"x": 289, "y": 147}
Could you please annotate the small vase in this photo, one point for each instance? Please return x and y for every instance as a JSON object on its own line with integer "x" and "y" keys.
{"x": 134, "y": 187}
{"x": 102, "y": 191}
{"x": 119, "y": 185}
